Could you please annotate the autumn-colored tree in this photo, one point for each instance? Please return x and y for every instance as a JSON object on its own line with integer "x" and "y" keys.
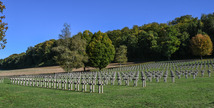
{"x": 201, "y": 45}
{"x": 3, "y": 27}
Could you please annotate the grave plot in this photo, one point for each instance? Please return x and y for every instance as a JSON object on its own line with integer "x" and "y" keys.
{"x": 130, "y": 76}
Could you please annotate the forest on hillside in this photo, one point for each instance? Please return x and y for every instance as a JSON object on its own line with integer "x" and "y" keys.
{"x": 149, "y": 42}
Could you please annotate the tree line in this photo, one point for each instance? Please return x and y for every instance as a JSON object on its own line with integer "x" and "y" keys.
{"x": 153, "y": 41}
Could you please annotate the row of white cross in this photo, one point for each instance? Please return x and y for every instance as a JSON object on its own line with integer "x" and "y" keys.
{"x": 64, "y": 84}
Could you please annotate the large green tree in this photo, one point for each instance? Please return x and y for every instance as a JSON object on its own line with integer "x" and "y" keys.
{"x": 71, "y": 52}
{"x": 100, "y": 50}
{"x": 3, "y": 27}
{"x": 78, "y": 48}
{"x": 168, "y": 41}
{"x": 201, "y": 45}
{"x": 64, "y": 54}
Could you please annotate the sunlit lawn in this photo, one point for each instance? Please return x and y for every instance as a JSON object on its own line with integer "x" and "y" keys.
{"x": 190, "y": 92}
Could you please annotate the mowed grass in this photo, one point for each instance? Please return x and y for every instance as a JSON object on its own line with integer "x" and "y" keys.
{"x": 183, "y": 93}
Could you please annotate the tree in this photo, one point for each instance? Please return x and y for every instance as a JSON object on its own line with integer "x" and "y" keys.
{"x": 78, "y": 48}
{"x": 86, "y": 35}
{"x": 183, "y": 50}
{"x": 100, "y": 50}
{"x": 168, "y": 41}
{"x": 187, "y": 24}
{"x": 147, "y": 43}
{"x": 71, "y": 52}
{"x": 48, "y": 53}
{"x": 62, "y": 50}
{"x": 115, "y": 37}
{"x": 208, "y": 24}
{"x": 30, "y": 54}
{"x": 120, "y": 56}
{"x": 3, "y": 27}
{"x": 125, "y": 32}
{"x": 201, "y": 45}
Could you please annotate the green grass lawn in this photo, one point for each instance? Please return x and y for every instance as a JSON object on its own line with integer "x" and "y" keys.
{"x": 190, "y": 92}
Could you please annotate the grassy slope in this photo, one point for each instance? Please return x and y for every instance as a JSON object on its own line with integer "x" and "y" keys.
{"x": 182, "y": 93}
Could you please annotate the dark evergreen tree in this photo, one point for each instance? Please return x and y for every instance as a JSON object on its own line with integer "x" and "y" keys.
{"x": 100, "y": 50}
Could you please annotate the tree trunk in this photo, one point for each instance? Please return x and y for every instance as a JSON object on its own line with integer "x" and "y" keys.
{"x": 201, "y": 58}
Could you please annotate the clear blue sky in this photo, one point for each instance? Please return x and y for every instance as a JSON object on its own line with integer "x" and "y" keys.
{"x": 34, "y": 21}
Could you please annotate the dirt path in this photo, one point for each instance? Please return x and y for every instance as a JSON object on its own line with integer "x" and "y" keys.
{"x": 49, "y": 70}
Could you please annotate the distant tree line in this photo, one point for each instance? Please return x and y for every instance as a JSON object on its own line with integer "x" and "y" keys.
{"x": 39, "y": 55}
{"x": 153, "y": 41}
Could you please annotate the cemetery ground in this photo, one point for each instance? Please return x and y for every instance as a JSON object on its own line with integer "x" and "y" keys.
{"x": 198, "y": 92}
{"x": 183, "y": 93}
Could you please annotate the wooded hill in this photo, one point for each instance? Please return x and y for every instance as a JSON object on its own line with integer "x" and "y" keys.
{"x": 148, "y": 42}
